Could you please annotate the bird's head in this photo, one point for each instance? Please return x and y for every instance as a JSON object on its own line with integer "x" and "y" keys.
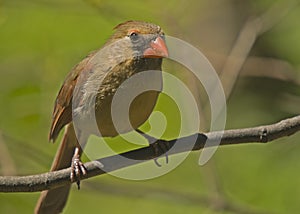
{"x": 146, "y": 40}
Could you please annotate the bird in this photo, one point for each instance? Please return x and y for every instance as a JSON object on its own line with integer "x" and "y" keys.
{"x": 134, "y": 47}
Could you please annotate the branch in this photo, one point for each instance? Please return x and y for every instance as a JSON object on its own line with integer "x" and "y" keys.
{"x": 260, "y": 134}
{"x": 253, "y": 28}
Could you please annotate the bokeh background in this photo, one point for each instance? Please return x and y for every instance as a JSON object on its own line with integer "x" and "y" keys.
{"x": 253, "y": 45}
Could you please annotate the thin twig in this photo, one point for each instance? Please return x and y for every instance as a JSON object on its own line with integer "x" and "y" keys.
{"x": 253, "y": 28}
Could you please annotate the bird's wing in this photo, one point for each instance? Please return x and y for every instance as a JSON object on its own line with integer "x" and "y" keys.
{"x": 62, "y": 113}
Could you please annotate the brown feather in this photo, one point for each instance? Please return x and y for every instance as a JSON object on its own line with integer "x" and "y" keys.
{"x": 53, "y": 200}
{"x": 62, "y": 113}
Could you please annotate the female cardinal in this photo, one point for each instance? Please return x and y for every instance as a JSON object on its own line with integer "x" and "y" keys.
{"x": 134, "y": 47}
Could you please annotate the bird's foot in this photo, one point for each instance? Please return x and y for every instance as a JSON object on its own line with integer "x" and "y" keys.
{"x": 159, "y": 147}
{"x": 77, "y": 168}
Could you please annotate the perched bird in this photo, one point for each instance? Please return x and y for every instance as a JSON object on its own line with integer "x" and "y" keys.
{"x": 134, "y": 47}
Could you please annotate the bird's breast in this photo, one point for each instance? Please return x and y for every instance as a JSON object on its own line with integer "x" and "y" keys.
{"x": 126, "y": 96}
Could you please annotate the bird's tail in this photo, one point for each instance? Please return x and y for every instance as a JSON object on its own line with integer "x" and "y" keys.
{"x": 53, "y": 201}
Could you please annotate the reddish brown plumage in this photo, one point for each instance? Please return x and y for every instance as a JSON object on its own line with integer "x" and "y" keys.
{"x": 52, "y": 201}
{"x": 62, "y": 113}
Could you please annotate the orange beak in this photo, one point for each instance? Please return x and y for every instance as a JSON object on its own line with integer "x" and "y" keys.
{"x": 157, "y": 49}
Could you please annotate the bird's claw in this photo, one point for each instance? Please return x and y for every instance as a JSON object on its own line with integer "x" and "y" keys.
{"x": 77, "y": 168}
{"x": 158, "y": 148}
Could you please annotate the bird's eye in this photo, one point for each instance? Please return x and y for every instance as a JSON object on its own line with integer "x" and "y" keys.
{"x": 134, "y": 36}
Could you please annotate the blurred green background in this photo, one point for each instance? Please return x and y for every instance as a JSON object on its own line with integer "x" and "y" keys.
{"x": 41, "y": 40}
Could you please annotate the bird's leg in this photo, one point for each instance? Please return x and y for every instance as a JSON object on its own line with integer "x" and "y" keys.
{"x": 158, "y": 148}
{"x": 77, "y": 167}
